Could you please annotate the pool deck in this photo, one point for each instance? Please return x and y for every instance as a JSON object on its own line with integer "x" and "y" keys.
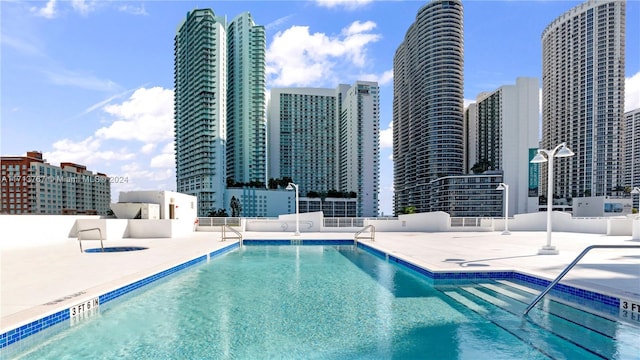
{"x": 40, "y": 280}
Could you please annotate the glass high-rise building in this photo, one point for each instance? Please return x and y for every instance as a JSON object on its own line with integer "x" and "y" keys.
{"x": 328, "y": 139}
{"x": 246, "y": 101}
{"x": 220, "y": 105}
{"x": 200, "y": 80}
{"x": 632, "y": 152}
{"x": 428, "y": 114}
{"x": 503, "y": 125}
{"x": 583, "y": 64}
{"x": 303, "y": 142}
{"x": 359, "y": 144}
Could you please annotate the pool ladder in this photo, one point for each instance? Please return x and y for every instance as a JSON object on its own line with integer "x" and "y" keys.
{"x": 358, "y": 235}
{"x": 570, "y": 266}
{"x": 91, "y": 229}
{"x": 237, "y": 236}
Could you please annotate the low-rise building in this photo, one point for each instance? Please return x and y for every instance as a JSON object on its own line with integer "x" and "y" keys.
{"x": 30, "y": 185}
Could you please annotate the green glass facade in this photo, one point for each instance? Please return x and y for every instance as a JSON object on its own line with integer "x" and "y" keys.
{"x": 246, "y": 101}
{"x": 200, "y": 108}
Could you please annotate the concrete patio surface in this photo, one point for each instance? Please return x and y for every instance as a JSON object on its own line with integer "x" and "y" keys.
{"x": 40, "y": 280}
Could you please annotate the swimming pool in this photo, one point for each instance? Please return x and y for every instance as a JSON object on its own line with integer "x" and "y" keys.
{"x": 330, "y": 302}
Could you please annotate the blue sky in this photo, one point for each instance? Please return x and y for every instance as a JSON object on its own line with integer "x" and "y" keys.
{"x": 91, "y": 82}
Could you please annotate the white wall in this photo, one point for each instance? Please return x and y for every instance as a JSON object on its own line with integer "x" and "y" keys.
{"x": 596, "y": 205}
{"x": 265, "y": 202}
{"x": 430, "y": 222}
{"x": 150, "y": 228}
{"x": 38, "y": 230}
{"x": 619, "y": 227}
{"x": 35, "y": 230}
{"x": 186, "y": 206}
{"x": 307, "y": 222}
{"x": 560, "y": 221}
{"x": 110, "y": 229}
{"x": 635, "y": 229}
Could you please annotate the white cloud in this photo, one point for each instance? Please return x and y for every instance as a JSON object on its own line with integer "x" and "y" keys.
{"x": 104, "y": 102}
{"x": 357, "y": 27}
{"x": 20, "y": 45}
{"x": 347, "y": 4}
{"x": 78, "y": 79}
{"x": 133, "y": 10}
{"x": 166, "y": 159}
{"x": 48, "y": 11}
{"x": 86, "y": 152}
{"x": 146, "y": 116}
{"x": 386, "y": 77}
{"x": 163, "y": 161}
{"x": 382, "y": 79}
{"x": 632, "y": 92}
{"x": 468, "y": 102}
{"x": 147, "y": 148}
{"x": 133, "y": 176}
{"x": 386, "y": 137}
{"x": 141, "y": 178}
{"x": 83, "y": 7}
{"x": 276, "y": 23}
{"x": 297, "y": 57}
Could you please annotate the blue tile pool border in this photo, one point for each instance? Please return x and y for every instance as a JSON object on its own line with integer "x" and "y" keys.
{"x": 612, "y": 303}
{"x": 21, "y": 332}
{"x": 316, "y": 242}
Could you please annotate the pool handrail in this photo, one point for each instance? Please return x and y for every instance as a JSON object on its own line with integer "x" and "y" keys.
{"x": 90, "y": 229}
{"x": 570, "y": 266}
{"x": 372, "y": 234}
{"x": 224, "y": 233}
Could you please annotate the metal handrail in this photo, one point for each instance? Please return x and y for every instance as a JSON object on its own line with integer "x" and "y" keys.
{"x": 372, "y": 234}
{"x": 570, "y": 266}
{"x": 225, "y": 237}
{"x": 83, "y": 230}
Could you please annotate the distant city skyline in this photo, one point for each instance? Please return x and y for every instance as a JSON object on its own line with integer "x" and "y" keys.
{"x": 92, "y": 82}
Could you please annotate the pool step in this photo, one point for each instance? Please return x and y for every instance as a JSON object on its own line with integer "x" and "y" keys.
{"x": 549, "y": 331}
{"x": 560, "y": 319}
{"x": 559, "y": 309}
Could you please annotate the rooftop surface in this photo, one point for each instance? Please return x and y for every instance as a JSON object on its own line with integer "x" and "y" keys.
{"x": 40, "y": 280}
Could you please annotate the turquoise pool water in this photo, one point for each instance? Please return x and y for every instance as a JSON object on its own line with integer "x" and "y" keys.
{"x": 327, "y": 302}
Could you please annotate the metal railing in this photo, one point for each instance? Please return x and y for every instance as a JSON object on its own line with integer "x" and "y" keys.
{"x": 345, "y": 222}
{"x": 218, "y": 221}
{"x": 238, "y": 235}
{"x": 570, "y": 266}
{"x": 372, "y": 234}
{"x": 469, "y": 221}
{"x": 92, "y": 229}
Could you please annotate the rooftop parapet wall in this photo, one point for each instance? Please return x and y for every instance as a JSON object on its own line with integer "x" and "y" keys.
{"x": 35, "y": 230}
{"x": 20, "y": 231}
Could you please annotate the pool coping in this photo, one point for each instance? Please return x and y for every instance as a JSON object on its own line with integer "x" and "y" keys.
{"x": 58, "y": 315}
